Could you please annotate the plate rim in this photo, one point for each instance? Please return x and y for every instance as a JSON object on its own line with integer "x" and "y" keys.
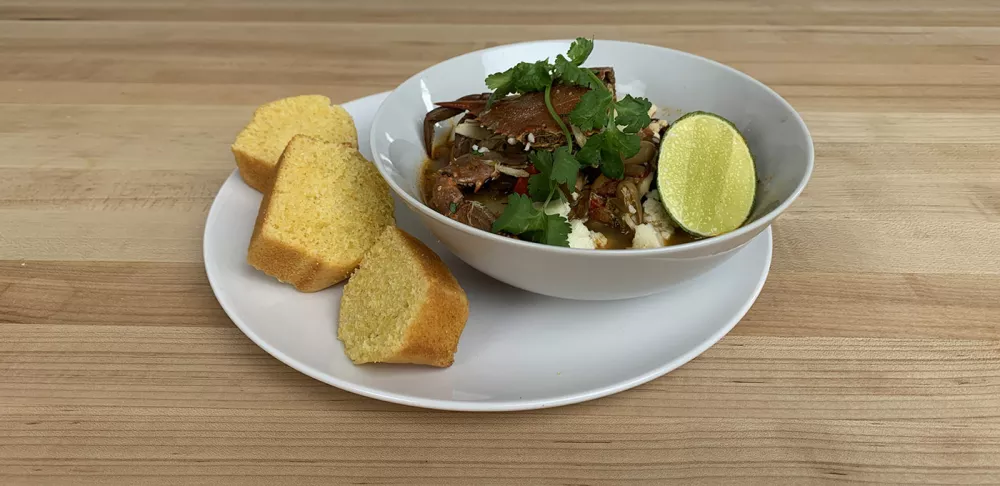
{"x": 473, "y": 406}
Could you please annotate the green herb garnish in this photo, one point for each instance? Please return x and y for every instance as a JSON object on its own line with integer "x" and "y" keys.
{"x": 619, "y": 122}
{"x": 580, "y": 50}
{"x": 592, "y": 111}
{"x": 525, "y": 77}
{"x": 541, "y": 186}
{"x": 569, "y": 72}
{"x": 521, "y": 218}
{"x": 606, "y": 149}
{"x": 619, "y": 140}
{"x": 564, "y": 166}
{"x": 633, "y": 114}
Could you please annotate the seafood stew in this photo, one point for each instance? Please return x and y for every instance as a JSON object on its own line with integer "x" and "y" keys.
{"x": 551, "y": 155}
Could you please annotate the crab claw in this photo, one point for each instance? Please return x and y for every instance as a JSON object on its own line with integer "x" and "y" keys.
{"x": 474, "y": 104}
{"x": 432, "y": 118}
{"x": 447, "y": 110}
{"x": 474, "y": 107}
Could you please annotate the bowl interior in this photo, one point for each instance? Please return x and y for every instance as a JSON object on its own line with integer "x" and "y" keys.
{"x": 675, "y": 81}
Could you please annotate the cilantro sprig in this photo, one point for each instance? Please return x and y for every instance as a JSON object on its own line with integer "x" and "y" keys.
{"x": 619, "y": 140}
{"x": 525, "y": 77}
{"x": 554, "y": 168}
{"x": 522, "y": 218}
{"x": 618, "y": 121}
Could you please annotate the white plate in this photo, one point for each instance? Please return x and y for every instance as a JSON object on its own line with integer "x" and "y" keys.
{"x": 519, "y": 350}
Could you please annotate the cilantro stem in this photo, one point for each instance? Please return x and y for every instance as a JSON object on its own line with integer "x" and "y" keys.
{"x": 596, "y": 79}
{"x": 548, "y": 199}
{"x": 552, "y": 111}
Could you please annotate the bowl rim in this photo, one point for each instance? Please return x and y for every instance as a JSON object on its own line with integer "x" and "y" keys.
{"x": 744, "y": 231}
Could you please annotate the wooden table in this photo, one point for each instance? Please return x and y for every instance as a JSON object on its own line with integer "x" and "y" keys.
{"x": 873, "y": 353}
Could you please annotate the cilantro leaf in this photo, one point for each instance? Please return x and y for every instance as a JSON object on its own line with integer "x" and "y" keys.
{"x": 520, "y": 216}
{"x": 625, "y": 144}
{"x": 564, "y": 167}
{"x": 591, "y": 112}
{"x": 542, "y": 161}
{"x": 529, "y": 77}
{"x": 633, "y": 113}
{"x": 612, "y": 165}
{"x": 555, "y": 231}
{"x": 580, "y": 50}
{"x": 540, "y": 185}
{"x": 501, "y": 83}
{"x": 501, "y": 80}
{"x": 524, "y": 77}
{"x": 590, "y": 153}
{"x": 568, "y": 72}
{"x": 602, "y": 149}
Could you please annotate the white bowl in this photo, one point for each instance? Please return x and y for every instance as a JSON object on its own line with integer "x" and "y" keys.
{"x": 675, "y": 81}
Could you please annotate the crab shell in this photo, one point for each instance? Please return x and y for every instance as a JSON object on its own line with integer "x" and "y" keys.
{"x": 525, "y": 117}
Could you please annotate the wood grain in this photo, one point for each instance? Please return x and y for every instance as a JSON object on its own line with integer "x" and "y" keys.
{"x": 872, "y": 355}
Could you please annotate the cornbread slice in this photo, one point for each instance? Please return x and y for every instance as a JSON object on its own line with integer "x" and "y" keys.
{"x": 327, "y": 206}
{"x": 259, "y": 145}
{"x": 402, "y": 305}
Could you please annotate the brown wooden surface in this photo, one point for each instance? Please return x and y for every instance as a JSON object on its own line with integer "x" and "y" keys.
{"x": 873, "y": 353}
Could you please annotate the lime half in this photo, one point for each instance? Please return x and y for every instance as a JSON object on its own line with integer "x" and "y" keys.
{"x": 706, "y": 174}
